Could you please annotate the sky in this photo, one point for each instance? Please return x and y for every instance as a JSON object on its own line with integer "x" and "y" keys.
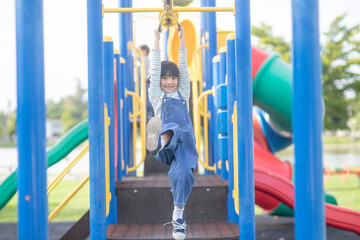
{"x": 65, "y": 37}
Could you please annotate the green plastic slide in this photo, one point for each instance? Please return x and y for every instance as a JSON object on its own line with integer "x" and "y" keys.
{"x": 272, "y": 90}
{"x": 73, "y": 138}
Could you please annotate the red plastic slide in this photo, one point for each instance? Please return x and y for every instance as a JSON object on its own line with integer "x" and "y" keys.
{"x": 282, "y": 189}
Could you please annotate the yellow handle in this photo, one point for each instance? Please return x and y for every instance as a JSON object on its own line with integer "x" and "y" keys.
{"x": 168, "y": 19}
{"x": 198, "y": 130}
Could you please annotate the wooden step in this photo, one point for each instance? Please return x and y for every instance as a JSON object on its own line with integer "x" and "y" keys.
{"x": 194, "y": 230}
{"x": 149, "y": 199}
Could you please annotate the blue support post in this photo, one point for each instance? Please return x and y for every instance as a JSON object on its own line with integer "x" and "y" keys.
{"x": 216, "y": 66}
{"x": 231, "y": 93}
{"x": 244, "y": 113}
{"x": 96, "y": 120}
{"x": 109, "y": 93}
{"x": 216, "y": 62}
{"x": 126, "y": 33}
{"x": 222, "y": 66}
{"x": 125, "y": 117}
{"x": 208, "y": 32}
{"x": 222, "y": 77}
{"x": 30, "y": 124}
{"x": 307, "y": 121}
{"x": 119, "y": 100}
{"x": 166, "y": 39}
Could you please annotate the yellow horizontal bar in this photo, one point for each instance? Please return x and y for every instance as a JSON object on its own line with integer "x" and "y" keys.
{"x": 175, "y": 9}
{"x": 66, "y": 200}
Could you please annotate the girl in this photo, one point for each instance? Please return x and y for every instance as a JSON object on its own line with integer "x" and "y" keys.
{"x": 170, "y": 134}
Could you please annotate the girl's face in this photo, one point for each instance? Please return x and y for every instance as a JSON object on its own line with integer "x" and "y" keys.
{"x": 169, "y": 83}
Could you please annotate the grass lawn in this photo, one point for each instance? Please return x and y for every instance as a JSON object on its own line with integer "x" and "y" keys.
{"x": 337, "y": 140}
{"x": 73, "y": 211}
{"x": 347, "y": 194}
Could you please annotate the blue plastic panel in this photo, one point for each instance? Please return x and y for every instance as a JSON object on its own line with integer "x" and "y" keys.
{"x": 223, "y": 147}
{"x": 221, "y": 96}
{"x": 222, "y": 122}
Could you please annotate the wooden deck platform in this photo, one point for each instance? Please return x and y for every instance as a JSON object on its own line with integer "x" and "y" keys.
{"x": 163, "y": 181}
{"x": 200, "y": 230}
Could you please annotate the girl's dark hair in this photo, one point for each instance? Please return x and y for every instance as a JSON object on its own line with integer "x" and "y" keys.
{"x": 169, "y": 69}
{"x": 145, "y": 48}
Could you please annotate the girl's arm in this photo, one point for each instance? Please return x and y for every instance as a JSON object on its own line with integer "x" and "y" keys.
{"x": 155, "y": 90}
{"x": 184, "y": 80}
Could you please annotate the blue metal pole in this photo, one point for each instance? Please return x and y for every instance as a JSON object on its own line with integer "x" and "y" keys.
{"x": 96, "y": 120}
{"x": 216, "y": 63}
{"x": 126, "y": 35}
{"x": 125, "y": 116}
{"x": 307, "y": 121}
{"x": 231, "y": 93}
{"x": 166, "y": 39}
{"x": 30, "y": 124}
{"x": 222, "y": 77}
{"x": 119, "y": 115}
{"x": 244, "y": 114}
{"x": 222, "y": 67}
{"x": 109, "y": 93}
{"x": 208, "y": 32}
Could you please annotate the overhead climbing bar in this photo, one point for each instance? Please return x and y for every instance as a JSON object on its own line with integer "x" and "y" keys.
{"x": 175, "y": 9}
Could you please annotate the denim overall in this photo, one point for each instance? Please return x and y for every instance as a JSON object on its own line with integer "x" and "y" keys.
{"x": 180, "y": 153}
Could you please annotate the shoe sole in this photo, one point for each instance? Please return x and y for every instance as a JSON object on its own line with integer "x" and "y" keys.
{"x": 153, "y": 131}
{"x": 178, "y": 236}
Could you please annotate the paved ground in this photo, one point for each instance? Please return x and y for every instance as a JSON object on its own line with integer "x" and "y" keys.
{"x": 8, "y": 231}
{"x": 267, "y": 227}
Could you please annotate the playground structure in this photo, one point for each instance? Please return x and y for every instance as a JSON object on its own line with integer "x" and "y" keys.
{"x": 239, "y": 140}
{"x": 344, "y": 171}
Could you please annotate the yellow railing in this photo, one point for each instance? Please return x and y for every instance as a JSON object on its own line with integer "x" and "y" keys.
{"x": 200, "y": 107}
{"x": 196, "y": 76}
{"x": 235, "y": 192}
{"x": 139, "y": 109}
{"x": 57, "y": 180}
{"x": 63, "y": 203}
{"x": 197, "y": 129}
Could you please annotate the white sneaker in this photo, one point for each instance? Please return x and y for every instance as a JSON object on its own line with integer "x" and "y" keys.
{"x": 153, "y": 129}
{"x": 179, "y": 229}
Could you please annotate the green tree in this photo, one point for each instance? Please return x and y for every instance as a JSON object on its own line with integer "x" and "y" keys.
{"x": 3, "y": 118}
{"x": 340, "y": 65}
{"x": 341, "y": 60}
{"x": 11, "y": 125}
{"x": 53, "y": 110}
{"x": 268, "y": 42}
{"x": 70, "y": 109}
